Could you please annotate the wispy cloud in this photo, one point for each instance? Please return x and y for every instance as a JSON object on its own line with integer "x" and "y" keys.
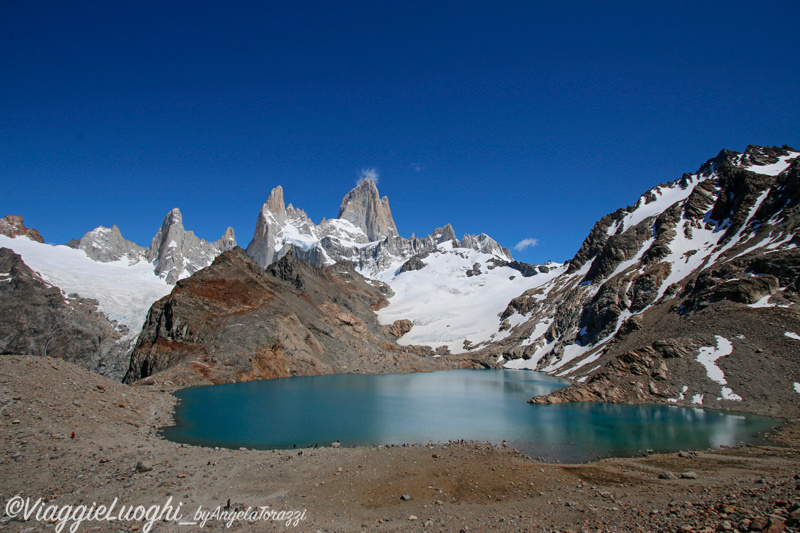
{"x": 526, "y": 243}
{"x": 417, "y": 167}
{"x": 370, "y": 173}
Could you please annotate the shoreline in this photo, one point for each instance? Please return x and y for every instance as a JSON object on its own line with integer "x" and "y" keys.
{"x": 519, "y": 446}
{"x": 118, "y": 453}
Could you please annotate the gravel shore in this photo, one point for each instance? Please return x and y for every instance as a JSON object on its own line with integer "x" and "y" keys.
{"x": 116, "y": 452}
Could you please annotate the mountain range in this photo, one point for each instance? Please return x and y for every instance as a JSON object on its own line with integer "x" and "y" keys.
{"x": 688, "y": 296}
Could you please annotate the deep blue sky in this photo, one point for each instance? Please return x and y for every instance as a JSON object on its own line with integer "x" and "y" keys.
{"x": 523, "y": 120}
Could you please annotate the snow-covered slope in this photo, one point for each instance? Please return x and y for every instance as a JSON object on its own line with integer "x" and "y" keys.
{"x": 124, "y": 290}
{"x": 456, "y": 299}
{"x": 736, "y": 206}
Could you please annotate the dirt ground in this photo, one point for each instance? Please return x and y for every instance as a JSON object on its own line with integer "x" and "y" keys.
{"x": 117, "y": 453}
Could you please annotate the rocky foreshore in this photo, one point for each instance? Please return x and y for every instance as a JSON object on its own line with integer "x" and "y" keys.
{"x": 72, "y": 437}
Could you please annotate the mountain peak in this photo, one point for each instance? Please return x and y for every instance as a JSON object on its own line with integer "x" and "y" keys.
{"x": 107, "y": 245}
{"x": 275, "y": 203}
{"x": 174, "y": 217}
{"x": 364, "y": 208}
{"x": 179, "y": 253}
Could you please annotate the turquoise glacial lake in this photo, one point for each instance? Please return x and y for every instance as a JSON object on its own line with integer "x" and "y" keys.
{"x": 478, "y": 405}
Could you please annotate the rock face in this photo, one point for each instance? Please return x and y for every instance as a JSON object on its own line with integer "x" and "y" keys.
{"x": 270, "y": 220}
{"x": 364, "y": 208}
{"x": 713, "y": 253}
{"x": 175, "y": 252}
{"x": 484, "y": 243}
{"x": 178, "y": 253}
{"x": 235, "y": 321}
{"x": 12, "y": 226}
{"x": 38, "y": 319}
{"x": 364, "y": 234}
{"x": 107, "y": 245}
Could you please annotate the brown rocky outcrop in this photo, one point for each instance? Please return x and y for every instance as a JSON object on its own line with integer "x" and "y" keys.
{"x": 400, "y": 327}
{"x": 12, "y": 226}
{"x": 235, "y": 321}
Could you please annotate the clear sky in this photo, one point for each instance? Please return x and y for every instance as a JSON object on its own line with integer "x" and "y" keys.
{"x": 522, "y": 120}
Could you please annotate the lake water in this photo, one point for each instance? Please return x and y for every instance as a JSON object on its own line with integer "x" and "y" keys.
{"x": 482, "y": 405}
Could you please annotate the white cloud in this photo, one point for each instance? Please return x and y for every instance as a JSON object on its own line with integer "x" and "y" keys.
{"x": 370, "y": 173}
{"x": 526, "y": 243}
{"x": 417, "y": 167}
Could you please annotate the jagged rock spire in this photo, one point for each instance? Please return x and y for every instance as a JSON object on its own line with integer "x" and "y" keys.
{"x": 269, "y": 223}
{"x": 179, "y": 253}
{"x": 364, "y": 207}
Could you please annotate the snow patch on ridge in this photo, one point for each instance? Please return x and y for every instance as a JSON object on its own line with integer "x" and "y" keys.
{"x": 774, "y": 169}
{"x": 681, "y": 397}
{"x": 665, "y": 197}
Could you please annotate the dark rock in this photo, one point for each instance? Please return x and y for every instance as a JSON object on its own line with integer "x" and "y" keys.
{"x": 401, "y": 327}
{"x": 475, "y": 270}
{"x": 415, "y": 263}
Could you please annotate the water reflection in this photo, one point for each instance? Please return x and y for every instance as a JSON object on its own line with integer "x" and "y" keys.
{"x": 485, "y": 405}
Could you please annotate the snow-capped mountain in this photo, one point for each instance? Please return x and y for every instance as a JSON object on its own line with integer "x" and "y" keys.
{"x": 174, "y": 252}
{"x": 364, "y": 234}
{"x": 125, "y": 279}
{"x": 452, "y": 291}
{"x": 455, "y": 294}
{"x": 121, "y": 277}
{"x": 726, "y": 233}
{"x": 694, "y": 266}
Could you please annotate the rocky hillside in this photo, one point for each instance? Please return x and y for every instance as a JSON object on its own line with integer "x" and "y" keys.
{"x": 39, "y": 319}
{"x": 235, "y": 321}
{"x": 687, "y": 297}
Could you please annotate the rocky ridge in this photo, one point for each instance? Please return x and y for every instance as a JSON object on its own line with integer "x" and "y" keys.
{"x": 364, "y": 234}
{"x": 174, "y": 251}
{"x": 712, "y": 253}
{"x": 235, "y": 321}
{"x": 13, "y": 226}
{"x": 107, "y": 245}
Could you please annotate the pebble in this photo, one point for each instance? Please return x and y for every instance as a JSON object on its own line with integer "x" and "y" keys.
{"x": 141, "y": 467}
